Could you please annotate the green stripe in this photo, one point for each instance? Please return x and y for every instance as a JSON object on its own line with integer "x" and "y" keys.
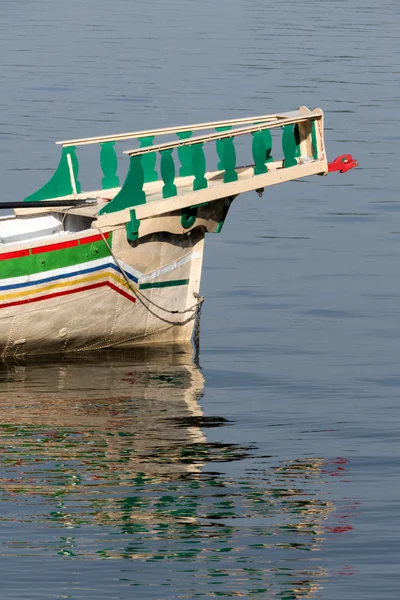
{"x": 161, "y": 284}
{"x": 55, "y": 259}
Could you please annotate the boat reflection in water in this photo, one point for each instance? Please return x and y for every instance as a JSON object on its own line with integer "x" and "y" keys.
{"x": 105, "y": 456}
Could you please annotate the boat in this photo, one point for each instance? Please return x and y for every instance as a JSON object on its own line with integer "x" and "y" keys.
{"x": 120, "y": 266}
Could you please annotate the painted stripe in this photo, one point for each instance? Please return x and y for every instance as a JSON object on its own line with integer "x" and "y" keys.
{"x": 37, "y": 282}
{"x": 68, "y": 292}
{"x": 15, "y": 254}
{"x": 108, "y": 261}
{"x": 11, "y": 281}
{"x": 71, "y": 273}
{"x": 70, "y": 243}
{"x": 170, "y": 267}
{"x": 55, "y": 259}
{"x": 135, "y": 274}
{"x": 58, "y": 285}
{"x": 71, "y": 255}
{"x": 122, "y": 292}
{"x": 93, "y": 238}
{"x": 49, "y": 261}
{"x": 53, "y": 247}
{"x": 162, "y": 284}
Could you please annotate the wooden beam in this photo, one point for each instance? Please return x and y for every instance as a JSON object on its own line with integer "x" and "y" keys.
{"x": 316, "y": 114}
{"x": 216, "y": 192}
{"x": 171, "y": 130}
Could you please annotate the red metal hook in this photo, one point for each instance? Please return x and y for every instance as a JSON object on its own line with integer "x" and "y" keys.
{"x": 342, "y": 163}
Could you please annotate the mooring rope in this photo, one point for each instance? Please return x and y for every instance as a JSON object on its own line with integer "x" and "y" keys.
{"x": 143, "y": 299}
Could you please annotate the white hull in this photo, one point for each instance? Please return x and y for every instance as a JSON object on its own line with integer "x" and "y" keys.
{"x": 89, "y": 306}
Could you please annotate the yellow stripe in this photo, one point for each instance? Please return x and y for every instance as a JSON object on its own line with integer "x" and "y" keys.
{"x": 64, "y": 284}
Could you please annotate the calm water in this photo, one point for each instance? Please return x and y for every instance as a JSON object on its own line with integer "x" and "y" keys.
{"x": 273, "y": 470}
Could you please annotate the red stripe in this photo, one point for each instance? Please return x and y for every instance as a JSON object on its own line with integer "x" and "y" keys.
{"x": 67, "y": 292}
{"x": 52, "y": 247}
{"x": 15, "y": 254}
{"x": 93, "y": 238}
{"x": 122, "y": 292}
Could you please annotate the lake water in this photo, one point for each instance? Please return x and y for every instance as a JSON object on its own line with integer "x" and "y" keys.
{"x": 272, "y": 470}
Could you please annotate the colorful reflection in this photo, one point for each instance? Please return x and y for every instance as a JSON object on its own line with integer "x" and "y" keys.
{"x": 106, "y": 457}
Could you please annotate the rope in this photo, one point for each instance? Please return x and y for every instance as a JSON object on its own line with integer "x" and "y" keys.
{"x": 196, "y": 335}
{"x": 143, "y": 299}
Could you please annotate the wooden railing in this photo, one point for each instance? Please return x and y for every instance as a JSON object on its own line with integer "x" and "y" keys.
{"x": 300, "y": 143}
{"x": 190, "y": 154}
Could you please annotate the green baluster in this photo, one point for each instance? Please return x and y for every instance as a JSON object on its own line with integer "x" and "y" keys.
{"x": 137, "y": 180}
{"x": 296, "y": 133}
{"x": 289, "y": 146}
{"x": 259, "y": 151}
{"x": 132, "y": 227}
{"x": 168, "y": 173}
{"x": 60, "y": 183}
{"x": 199, "y": 167}
{"x": 314, "y": 140}
{"x": 131, "y": 193}
{"x": 185, "y": 155}
{"x": 229, "y": 160}
{"x": 268, "y": 145}
{"x": 220, "y": 147}
{"x": 148, "y": 160}
{"x": 109, "y": 165}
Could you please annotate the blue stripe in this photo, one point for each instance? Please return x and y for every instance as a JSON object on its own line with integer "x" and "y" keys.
{"x": 111, "y": 265}
{"x": 118, "y": 270}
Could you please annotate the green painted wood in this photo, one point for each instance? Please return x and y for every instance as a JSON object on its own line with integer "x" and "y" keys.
{"x": 109, "y": 165}
{"x": 149, "y": 160}
{"x": 188, "y": 217}
{"x": 185, "y": 155}
{"x": 168, "y": 173}
{"x": 226, "y": 209}
{"x": 314, "y": 140}
{"x": 268, "y": 142}
{"x": 162, "y": 284}
{"x": 60, "y": 183}
{"x": 220, "y": 147}
{"x": 259, "y": 152}
{"x": 131, "y": 193}
{"x": 229, "y": 160}
{"x": 56, "y": 259}
{"x": 296, "y": 133}
{"x": 199, "y": 167}
{"x": 268, "y": 145}
{"x": 132, "y": 227}
{"x": 289, "y": 146}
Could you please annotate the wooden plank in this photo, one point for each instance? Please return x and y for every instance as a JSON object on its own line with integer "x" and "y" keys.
{"x": 316, "y": 114}
{"x": 320, "y": 137}
{"x": 216, "y": 192}
{"x": 171, "y": 130}
{"x": 305, "y": 136}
